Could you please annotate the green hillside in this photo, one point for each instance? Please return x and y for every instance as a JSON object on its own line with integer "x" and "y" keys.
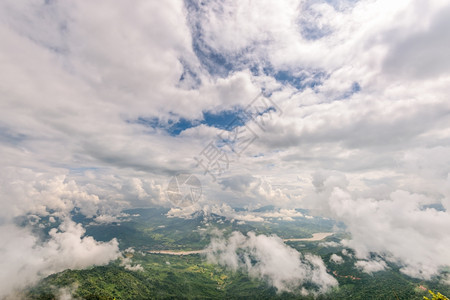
{"x": 163, "y": 276}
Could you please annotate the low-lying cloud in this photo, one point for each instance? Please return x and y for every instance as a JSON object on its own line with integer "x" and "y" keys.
{"x": 26, "y": 259}
{"x": 268, "y": 258}
{"x": 370, "y": 266}
{"x": 402, "y": 227}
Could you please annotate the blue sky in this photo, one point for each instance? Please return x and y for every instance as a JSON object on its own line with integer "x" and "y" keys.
{"x": 220, "y": 120}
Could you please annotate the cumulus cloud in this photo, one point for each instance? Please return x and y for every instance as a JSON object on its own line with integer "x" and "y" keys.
{"x": 26, "y": 259}
{"x": 268, "y": 258}
{"x": 400, "y": 228}
{"x": 283, "y": 214}
{"x": 246, "y": 215}
{"x": 107, "y": 219}
{"x": 336, "y": 259}
{"x": 254, "y": 189}
{"x": 371, "y": 266}
{"x": 57, "y": 195}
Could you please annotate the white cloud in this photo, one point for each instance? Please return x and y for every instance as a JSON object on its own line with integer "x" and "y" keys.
{"x": 231, "y": 214}
{"x": 396, "y": 228}
{"x": 345, "y": 252}
{"x": 106, "y": 219}
{"x": 267, "y": 257}
{"x": 283, "y": 213}
{"x": 186, "y": 212}
{"x": 421, "y": 55}
{"x": 66, "y": 293}
{"x": 329, "y": 244}
{"x": 336, "y": 259}
{"x": 371, "y": 266}
{"x": 26, "y": 259}
{"x": 127, "y": 264}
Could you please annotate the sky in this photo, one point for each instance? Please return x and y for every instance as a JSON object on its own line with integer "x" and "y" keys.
{"x": 341, "y": 107}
